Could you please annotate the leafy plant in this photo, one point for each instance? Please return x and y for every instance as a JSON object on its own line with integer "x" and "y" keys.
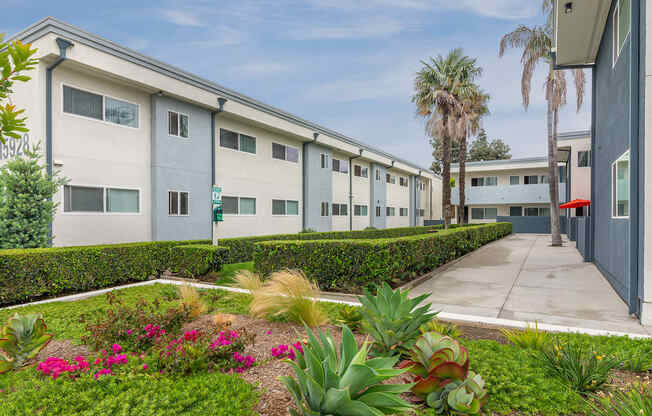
{"x": 248, "y": 280}
{"x": 635, "y": 402}
{"x": 21, "y": 340}
{"x": 346, "y": 385}
{"x": 441, "y": 368}
{"x": 290, "y": 293}
{"x": 584, "y": 370}
{"x": 191, "y": 301}
{"x": 351, "y": 316}
{"x": 393, "y": 319}
{"x": 637, "y": 360}
{"x": 443, "y": 328}
{"x": 530, "y": 337}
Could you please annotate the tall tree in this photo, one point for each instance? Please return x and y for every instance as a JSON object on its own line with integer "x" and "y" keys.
{"x": 483, "y": 149}
{"x": 438, "y": 154}
{"x": 15, "y": 60}
{"x": 439, "y": 86}
{"x": 536, "y": 43}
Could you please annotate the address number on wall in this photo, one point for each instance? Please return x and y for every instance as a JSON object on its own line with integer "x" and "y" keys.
{"x": 14, "y": 147}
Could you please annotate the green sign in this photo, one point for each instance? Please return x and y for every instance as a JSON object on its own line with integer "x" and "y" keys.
{"x": 217, "y": 194}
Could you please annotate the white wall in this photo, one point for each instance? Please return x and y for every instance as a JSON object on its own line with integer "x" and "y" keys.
{"x": 398, "y": 197}
{"x": 361, "y": 195}
{"x": 340, "y": 194}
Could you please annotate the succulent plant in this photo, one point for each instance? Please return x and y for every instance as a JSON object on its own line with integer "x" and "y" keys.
{"x": 346, "y": 385}
{"x": 351, "y": 317}
{"x": 393, "y": 319}
{"x": 442, "y": 377}
{"x": 21, "y": 339}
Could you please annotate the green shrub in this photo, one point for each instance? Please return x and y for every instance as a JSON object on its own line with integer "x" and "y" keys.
{"x": 443, "y": 328}
{"x": 529, "y": 337}
{"x": 350, "y": 265}
{"x": 351, "y": 316}
{"x": 31, "y": 274}
{"x": 197, "y": 259}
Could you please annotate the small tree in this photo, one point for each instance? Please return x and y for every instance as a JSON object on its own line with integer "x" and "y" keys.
{"x": 26, "y": 205}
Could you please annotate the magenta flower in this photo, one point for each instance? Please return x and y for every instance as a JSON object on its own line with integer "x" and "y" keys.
{"x": 116, "y": 348}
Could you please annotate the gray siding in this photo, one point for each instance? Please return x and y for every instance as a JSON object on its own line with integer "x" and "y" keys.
{"x": 507, "y": 194}
{"x": 612, "y": 138}
{"x": 181, "y": 165}
{"x": 317, "y": 187}
{"x": 378, "y": 197}
{"x": 413, "y": 198}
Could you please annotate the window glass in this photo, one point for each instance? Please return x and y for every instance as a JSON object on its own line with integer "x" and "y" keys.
{"x": 562, "y": 174}
{"x": 490, "y": 213}
{"x": 477, "y": 182}
{"x": 365, "y": 172}
{"x": 378, "y": 211}
{"x": 477, "y": 213}
{"x": 514, "y": 180}
{"x": 491, "y": 181}
{"x": 620, "y": 176}
{"x": 83, "y": 199}
{"x": 336, "y": 209}
{"x": 363, "y": 210}
{"x": 515, "y": 211}
{"x": 278, "y": 207}
{"x": 324, "y": 209}
{"x": 292, "y": 208}
{"x": 82, "y": 103}
{"x": 623, "y": 22}
{"x": 357, "y": 170}
{"x": 403, "y": 212}
{"x": 378, "y": 174}
{"x": 173, "y": 203}
{"x": 582, "y": 159}
{"x": 173, "y": 123}
{"x": 336, "y": 165}
{"x": 278, "y": 151}
{"x": 120, "y": 112}
{"x": 183, "y": 126}
{"x": 247, "y": 144}
{"x": 531, "y": 180}
{"x": 183, "y": 203}
{"x": 122, "y": 200}
{"x": 324, "y": 161}
{"x": 247, "y": 206}
{"x": 292, "y": 154}
{"x": 344, "y": 209}
{"x": 228, "y": 139}
{"x": 230, "y": 204}
{"x": 532, "y": 212}
{"x": 544, "y": 212}
{"x": 344, "y": 166}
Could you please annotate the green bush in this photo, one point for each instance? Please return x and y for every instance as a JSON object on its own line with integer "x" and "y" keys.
{"x": 352, "y": 265}
{"x": 197, "y": 259}
{"x": 31, "y": 274}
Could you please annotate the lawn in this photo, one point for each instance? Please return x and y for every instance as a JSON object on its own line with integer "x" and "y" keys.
{"x": 229, "y": 271}
{"x": 516, "y": 381}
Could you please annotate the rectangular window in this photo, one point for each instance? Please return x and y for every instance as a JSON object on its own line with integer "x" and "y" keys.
{"x": 283, "y": 152}
{"x": 390, "y": 211}
{"x": 177, "y": 124}
{"x": 562, "y": 174}
{"x": 83, "y": 103}
{"x": 230, "y": 205}
{"x": 360, "y": 210}
{"x": 292, "y": 208}
{"x": 484, "y": 213}
{"x": 247, "y": 144}
{"x": 621, "y": 27}
{"x": 336, "y": 165}
{"x": 178, "y": 203}
{"x": 336, "y": 209}
{"x": 514, "y": 180}
{"x": 234, "y": 205}
{"x": 543, "y": 179}
{"x": 403, "y": 212}
{"x": 491, "y": 181}
{"x": 515, "y": 211}
{"x": 544, "y": 212}
{"x": 247, "y": 206}
{"x": 620, "y": 186}
{"x": 278, "y": 207}
{"x": 403, "y": 181}
{"x": 531, "y": 180}
{"x": 477, "y": 181}
{"x": 120, "y": 112}
{"x": 229, "y": 139}
{"x": 324, "y": 161}
{"x": 422, "y": 212}
{"x": 83, "y": 199}
{"x": 360, "y": 171}
{"x": 378, "y": 211}
{"x": 122, "y": 200}
{"x": 291, "y": 154}
{"x": 537, "y": 212}
{"x": 583, "y": 159}
{"x": 324, "y": 209}
{"x": 340, "y": 210}
{"x": 378, "y": 175}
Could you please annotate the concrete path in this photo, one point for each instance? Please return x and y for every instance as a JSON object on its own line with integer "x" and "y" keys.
{"x": 522, "y": 278}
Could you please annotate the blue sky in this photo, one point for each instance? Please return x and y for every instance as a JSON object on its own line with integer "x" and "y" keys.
{"x": 345, "y": 64}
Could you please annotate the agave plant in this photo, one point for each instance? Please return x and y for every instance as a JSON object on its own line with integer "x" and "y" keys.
{"x": 393, "y": 319}
{"x": 441, "y": 368}
{"x": 21, "y": 339}
{"x": 346, "y": 385}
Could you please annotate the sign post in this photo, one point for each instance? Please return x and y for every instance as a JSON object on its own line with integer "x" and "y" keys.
{"x": 217, "y": 211}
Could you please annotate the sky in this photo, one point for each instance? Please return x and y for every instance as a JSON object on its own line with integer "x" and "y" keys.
{"x": 348, "y": 65}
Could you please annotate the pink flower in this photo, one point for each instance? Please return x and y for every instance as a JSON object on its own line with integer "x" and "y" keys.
{"x": 129, "y": 331}
{"x": 268, "y": 332}
{"x": 116, "y": 348}
{"x": 144, "y": 367}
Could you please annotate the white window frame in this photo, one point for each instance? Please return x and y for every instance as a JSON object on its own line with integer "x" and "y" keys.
{"x": 362, "y": 169}
{"x": 178, "y": 203}
{"x": 104, "y": 211}
{"x": 327, "y": 210}
{"x": 285, "y": 156}
{"x": 103, "y": 121}
{"x": 616, "y": 48}
{"x": 239, "y": 209}
{"x": 286, "y": 208}
{"x": 614, "y": 208}
{"x": 360, "y": 206}
{"x": 179, "y": 114}
{"x": 219, "y": 145}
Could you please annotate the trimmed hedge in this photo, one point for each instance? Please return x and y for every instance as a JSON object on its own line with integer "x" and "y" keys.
{"x": 197, "y": 259}
{"x": 242, "y": 248}
{"x": 351, "y": 265}
{"x": 32, "y": 274}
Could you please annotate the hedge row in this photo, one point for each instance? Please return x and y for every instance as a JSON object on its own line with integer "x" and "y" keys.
{"x": 31, "y": 274}
{"x": 349, "y": 266}
{"x": 242, "y": 248}
{"x": 197, "y": 259}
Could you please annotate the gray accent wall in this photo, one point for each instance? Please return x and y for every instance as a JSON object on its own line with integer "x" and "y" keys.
{"x": 413, "y": 207}
{"x": 378, "y": 196}
{"x": 317, "y": 187}
{"x": 507, "y": 194}
{"x": 180, "y": 164}
{"x": 612, "y": 137}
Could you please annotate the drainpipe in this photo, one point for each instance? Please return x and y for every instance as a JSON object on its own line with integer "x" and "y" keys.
{"x": 416, "y": 206}
{"x": 63, "y": 46}
{"x": 351, "y": 189}
{"x": 303, "y": 187}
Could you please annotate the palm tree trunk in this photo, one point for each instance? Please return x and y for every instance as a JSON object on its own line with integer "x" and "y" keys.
{"x": 446, "y": 178}
{"x": 462, "y": 184}
{"x": 553, "y": 181}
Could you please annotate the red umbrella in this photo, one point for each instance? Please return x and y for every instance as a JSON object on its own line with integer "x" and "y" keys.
{"x": 576, "y": 203}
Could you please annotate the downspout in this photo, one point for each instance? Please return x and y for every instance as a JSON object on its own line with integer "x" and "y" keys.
{"x": 303, "y": 185}
{"x": 416, "y": 200}
{"x": 220, "y": 108}
{"x": 63, "y": 46}
{"x": 351, "y": 189}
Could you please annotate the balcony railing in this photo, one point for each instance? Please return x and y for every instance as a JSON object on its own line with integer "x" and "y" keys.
{"x": 507, "y": 194}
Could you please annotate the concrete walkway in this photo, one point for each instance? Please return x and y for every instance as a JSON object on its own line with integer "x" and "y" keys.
{"x": 522, "y": 278}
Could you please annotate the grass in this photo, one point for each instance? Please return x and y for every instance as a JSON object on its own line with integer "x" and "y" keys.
{"x": 229, "y": 271}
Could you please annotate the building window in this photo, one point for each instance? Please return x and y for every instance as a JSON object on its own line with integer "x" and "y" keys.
{"x": 378, "y": 175}
{"x": 562, "y": 174}
{"x": 178, "y": 124}
{"x": 341, "y": 166}
{"x": 283, "y": 207}
{"x": 390, "y": 178}
{"x": 514, "y": 180}
{"x": 234, "y": 205}
{"x": 340, "y": 210}
{"x": 283, "y": 152}
{"x": 403, "y": 212}
{"x": 488, "y": 181}
{"x": 324, "y": 161}
{"x": 531, "y": 180}
{"x": 378, "y": 211}
{"x": 583, "y": 159}
{"x": 421, "y": 212}
{"x": 621, "y": 25}
{"x": 537, "y": 212}
{"x": 543, "y": 179}
{"x": 177, "y": 203}
{"x": 620, "y": 186}
{"x": 360, "y": 210}
{"x": 390, "y": 211}
{"x": 402, "y": 181}
{"x": 324, "y": 209}
{"x": 99, "y": 199}
{"x": 361, "y": 171}
{"x": 484, "y": 213}
{"x": 235, "y": 141}
{"x": 516, "y": 211}
{"x": 99, "y": 107}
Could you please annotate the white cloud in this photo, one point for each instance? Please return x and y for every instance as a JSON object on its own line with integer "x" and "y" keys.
{"x": 376, "y": 28}
{"x": 181, "y": 18}
{"x": 501, "y": 9}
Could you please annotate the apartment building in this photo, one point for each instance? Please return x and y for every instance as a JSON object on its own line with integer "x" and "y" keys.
{"x": 142, "y": 143}
{"x": 610, "y": 39}
{"x": 519, "y": 187}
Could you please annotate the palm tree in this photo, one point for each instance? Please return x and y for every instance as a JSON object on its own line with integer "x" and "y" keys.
{"x": 474, "y": 107}
{"x": 439, "y": 87}
{"x": 536, "y": 43}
